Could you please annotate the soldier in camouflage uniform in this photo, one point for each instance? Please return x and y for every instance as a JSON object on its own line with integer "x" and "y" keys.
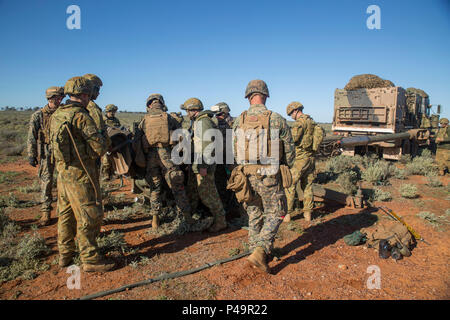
{"x": 304, "y": 166}
{"x": 223, "y": 170}
{"x": 443, "y": 147}
{"x": 38, "y": 148}
{"x": 76, "y": 145}
{"x": 110, "y": 121}
{"x": 268, "y": 205}
{"x": 201, "y": 180}
{"x": 157, "y": 126}
{"x": 94, "y": 110}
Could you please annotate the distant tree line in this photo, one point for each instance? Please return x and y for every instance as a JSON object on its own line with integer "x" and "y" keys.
{"x": 8, "y": 108}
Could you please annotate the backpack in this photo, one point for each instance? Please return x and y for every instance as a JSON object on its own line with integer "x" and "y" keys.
{"x": 157, "y": 129}
{"x": 61, "y": 143}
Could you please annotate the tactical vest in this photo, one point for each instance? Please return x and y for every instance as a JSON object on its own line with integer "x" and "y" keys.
{"x": 257, "y": 138}
{"x": 157, "y": 129}
{"x": 59, "y": 137}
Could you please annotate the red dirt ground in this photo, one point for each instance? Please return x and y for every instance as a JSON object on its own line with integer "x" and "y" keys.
{"x": 315, "y": 264}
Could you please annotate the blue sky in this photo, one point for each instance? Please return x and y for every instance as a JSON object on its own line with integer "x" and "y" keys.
{"x": 304, "y": 50}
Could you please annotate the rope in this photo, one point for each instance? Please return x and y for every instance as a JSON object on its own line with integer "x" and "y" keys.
{"x": 163, "y": 277}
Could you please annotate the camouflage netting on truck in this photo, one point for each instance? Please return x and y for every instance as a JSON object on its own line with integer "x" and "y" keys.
{"x": 367, "y": 81}
{"x": 417, "y": 91}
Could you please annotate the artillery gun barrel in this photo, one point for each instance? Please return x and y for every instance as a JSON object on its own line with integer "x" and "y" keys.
{"x": 365, "y": 140}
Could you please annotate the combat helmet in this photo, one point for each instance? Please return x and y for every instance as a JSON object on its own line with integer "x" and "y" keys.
{"x": 293, "y": 106}
{"x": 155, "y": 96}
{"x": 54, "y": 91}
{"x": 443, "y": 121}
{"x": 111, "y": 108}
{"x": 78, "y": 85}
{"x": 192, "y": 104}
{"x": 221, "y": 107}
{"x": 96, "y": 81}
{"x": 256, "y": 86}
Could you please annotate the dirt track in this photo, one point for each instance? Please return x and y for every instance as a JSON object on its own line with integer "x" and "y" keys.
{"x": 315, "y": 263}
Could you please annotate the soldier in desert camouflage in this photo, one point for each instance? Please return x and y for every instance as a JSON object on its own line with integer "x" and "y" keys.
{"x": 38, "y": 148}
{"x": 77, "y": 145}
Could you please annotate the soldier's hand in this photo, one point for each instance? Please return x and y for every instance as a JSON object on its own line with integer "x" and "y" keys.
{"x": 33, "y": 161}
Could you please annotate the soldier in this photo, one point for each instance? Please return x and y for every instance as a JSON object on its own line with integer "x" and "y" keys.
{"x": 94, "y": 110}
{"x": 268, "y": 205}
{"x": 77, "y": 145}
{"x": 304, "y": 165}
{"x": 38, "y": 148}
{"x": 443, "y": 147}
{"x": 110, "y": 116}
{"x": 223, "y": 171}
{"x": 201, "y": 181}
{"x": 110, "y": 121}
{"x": 157, "y": 126}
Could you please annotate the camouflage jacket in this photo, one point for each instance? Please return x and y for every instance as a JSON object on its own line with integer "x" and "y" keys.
{"x": 276, "y": 121}
{"x": 444, "y": 134}
{"x": 112, "y": 122}
{"x": 38, "y": 133}
{"x": 203, "y": 122}
{"x": 96, "y": 114}
{"x": 89, "y": 142}
{"x": 301, "y": 131}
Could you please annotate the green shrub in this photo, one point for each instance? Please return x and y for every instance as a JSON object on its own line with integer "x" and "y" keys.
{"x": 435, "y": 221}
{"x": 399, "y": 173}
{"x": 35, "y": 187}
{"x": 347, "y": 182}
{"x": 9, "y": 201}
{"x": 422, "y": 165}
{"x": 339, "y": 164}
{"x": 31, "y": 246}
{"x": 112, "y": 242}
{"x": 433, "y": 181}
{"x": 377, "y": 172}
{"x": 408, "y": 191}
{"x": 380, "y": 195}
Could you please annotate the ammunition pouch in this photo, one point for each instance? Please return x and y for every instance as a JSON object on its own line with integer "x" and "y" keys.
{"x": 286, "y": 176}
{"x": 239, "y": 184}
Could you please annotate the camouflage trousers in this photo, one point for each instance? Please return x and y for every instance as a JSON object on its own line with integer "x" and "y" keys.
{"x": 443, "y": 159}
{"x": 265, "y": 211}
{"x": 159, "y": 165}
{"x": 302, "y": 176}
{"x": 204, "y": 189}
{"x": 79, "y": 215}
{"x": 106, "y": 166}
{"x": 45, "y": 174}
{"x": 221, "y": 178}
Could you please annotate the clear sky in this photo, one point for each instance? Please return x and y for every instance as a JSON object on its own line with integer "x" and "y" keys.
{"x": 304, "y": 50}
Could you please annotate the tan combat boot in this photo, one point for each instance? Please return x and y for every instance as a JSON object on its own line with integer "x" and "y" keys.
{"x": 307, "y": 215}
{"x": 259, "y": 259}
{"x": 155, "y": 222}
{"x": 102, "y": 266}
{"x": 65, "y": 261}
{"x": 45, "y": 218}
{"x": 287, "y": 217}
{"x": 219, "y": 223}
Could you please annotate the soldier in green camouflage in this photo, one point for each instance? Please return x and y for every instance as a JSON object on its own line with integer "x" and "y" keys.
{"x": 94, "y": 110}
{"x": 110, "y": 121}
{"x": 157, "y": 126}
{"x": 77, "y": 144}
{"x": 38, "y": 148}
{"x": 443, "y": 147}
{"x": 201, "y": 180}
{"x": 268, "y": 205}
{"x": 303, "y": 169}
{"x": 223, "y": 170}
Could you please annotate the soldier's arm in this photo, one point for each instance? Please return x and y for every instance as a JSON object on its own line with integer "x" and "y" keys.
{"x": 32, "y": 138}
{"x": 96, "y": 141}
{"x": 288, "y": 143}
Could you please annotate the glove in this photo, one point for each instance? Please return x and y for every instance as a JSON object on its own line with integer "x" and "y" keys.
{"x": 33, "y": 161}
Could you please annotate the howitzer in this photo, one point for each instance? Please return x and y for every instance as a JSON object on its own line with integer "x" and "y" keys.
{"x": 394, "y": 216}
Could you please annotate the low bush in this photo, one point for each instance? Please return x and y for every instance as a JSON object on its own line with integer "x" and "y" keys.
{"x": 408, "y": 191}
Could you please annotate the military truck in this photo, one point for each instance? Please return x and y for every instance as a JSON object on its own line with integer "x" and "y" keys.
{"x": 388, "y": 121}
